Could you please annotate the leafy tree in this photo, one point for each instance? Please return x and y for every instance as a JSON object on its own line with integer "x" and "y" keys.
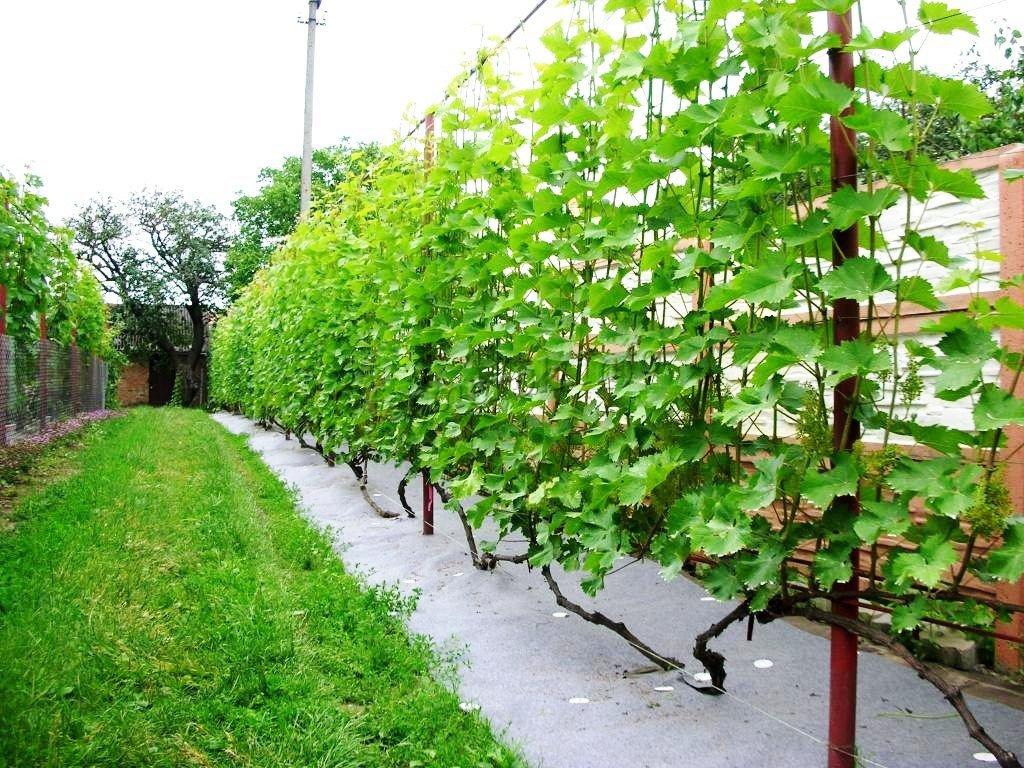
{"x": 952, "y": 135}
{"x": 265, "y": 218}
{"x": 156, "y": 252}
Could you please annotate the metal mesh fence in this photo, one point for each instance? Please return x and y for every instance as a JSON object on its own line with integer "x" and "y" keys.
{"x": 44, "y": 383}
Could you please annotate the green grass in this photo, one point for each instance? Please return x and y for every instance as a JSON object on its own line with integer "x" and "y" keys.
{"x": 164, "y": 604}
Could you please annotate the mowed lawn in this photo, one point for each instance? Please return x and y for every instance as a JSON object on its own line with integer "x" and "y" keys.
{"x": 163, "y": 604}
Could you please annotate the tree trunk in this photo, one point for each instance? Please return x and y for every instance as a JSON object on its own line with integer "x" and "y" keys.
{"x": 192, "y": 371}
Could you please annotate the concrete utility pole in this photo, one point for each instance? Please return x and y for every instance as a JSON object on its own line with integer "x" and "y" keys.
{"x": 307, "y": 133}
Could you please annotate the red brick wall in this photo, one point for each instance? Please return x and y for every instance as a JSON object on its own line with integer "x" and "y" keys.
{"x": 133, "y": 388}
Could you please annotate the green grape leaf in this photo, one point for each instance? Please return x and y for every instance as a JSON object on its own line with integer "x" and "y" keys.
{"x": 957, "y": 97}
{"x": 943, "y": 439}
{"x": 956, "y": 373}
{"x": 942, "y": 19}
{"x": 888, "y": 128}
{"x": 927, "y": 566}
{"x": 750, "y": 401}
{"x": 930, "y": 248}
{"x": 762, "y": 488}
{"x": 821, "y": 488}
{"x": 917, "y": 290}
{"x": 847, "y": 206}
{"x": 721, "y": 582}
{"x": 605, "y": 295}
{"x": 926, "y": 477}
{"x": 858, "y": 278}
{"x": 1004, "y": 313}
{"x": 644, "y": 476}
{"x": 858, "y": 357}
{"x": 962, "y": 183}
{"x": 1007, "y": 562}
{"x": 881, "y": 518}
{"x": 997, "y": 408}
{"x": 813, "y": 96}
{"x": 832, "y": 565}
{"x": 907, "y": 616}
{"x": 864, "y": 40}
{"x": 762, "y": 566}
{"x": 765, "y": 283}
{"x": 719, "y": 537}
{"x": 467, "y": 486}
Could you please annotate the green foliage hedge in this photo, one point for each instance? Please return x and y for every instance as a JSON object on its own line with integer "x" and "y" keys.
{"x": 606, "y": 311}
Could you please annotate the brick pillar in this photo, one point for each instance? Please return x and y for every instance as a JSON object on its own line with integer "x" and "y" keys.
{"x": 1009, "y": 655}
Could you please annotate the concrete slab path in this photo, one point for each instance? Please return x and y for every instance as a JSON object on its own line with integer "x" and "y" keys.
{"x": 524, "y": 667}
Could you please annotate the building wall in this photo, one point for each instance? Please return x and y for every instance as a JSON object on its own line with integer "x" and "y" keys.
{"x": 133, "y": 388}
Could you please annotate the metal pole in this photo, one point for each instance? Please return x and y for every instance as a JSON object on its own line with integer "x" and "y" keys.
{"x": 307, "y": 132}
{"x": 428, "y": 143}
{"x": 6, "y": 354}
{"x": 428, "y": 504}
{"x": 428, "y": 487}
{"x": 43, "y": 372}
{"x": 845, "y": 430}
{"x": 74, "y": 360}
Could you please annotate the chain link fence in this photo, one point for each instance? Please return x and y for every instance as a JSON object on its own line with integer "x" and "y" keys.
{"x": 44, "y": 383}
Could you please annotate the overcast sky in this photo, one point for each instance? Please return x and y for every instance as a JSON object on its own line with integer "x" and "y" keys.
{"x": 108, "y": 96}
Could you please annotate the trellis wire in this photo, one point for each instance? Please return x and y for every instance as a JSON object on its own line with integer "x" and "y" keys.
{"x": 484, "y": 57}
{"x": 533, "y": 11}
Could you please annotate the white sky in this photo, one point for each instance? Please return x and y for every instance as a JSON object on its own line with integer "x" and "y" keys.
{"x": 109, "y": 96}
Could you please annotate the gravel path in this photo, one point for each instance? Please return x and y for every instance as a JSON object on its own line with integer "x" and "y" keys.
{"x": 525, "y": 667}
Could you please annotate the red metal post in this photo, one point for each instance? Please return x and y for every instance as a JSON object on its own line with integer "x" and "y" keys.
{"x": 44, "y": 403}
{"x": 74, "y": 361}
{"x": 428, "y": 487}
{"x": 845, "y": 429}
{"x": 6, "y": 352}
{"x": 428, "y": 144}
{"x": 428, "y": 504}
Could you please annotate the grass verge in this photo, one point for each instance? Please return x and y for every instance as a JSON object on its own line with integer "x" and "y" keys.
{"x": 39, "y": 459}
{"x": 163, "y": 604}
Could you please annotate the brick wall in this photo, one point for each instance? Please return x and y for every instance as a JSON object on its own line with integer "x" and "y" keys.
{"x": 133, "y": 388}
